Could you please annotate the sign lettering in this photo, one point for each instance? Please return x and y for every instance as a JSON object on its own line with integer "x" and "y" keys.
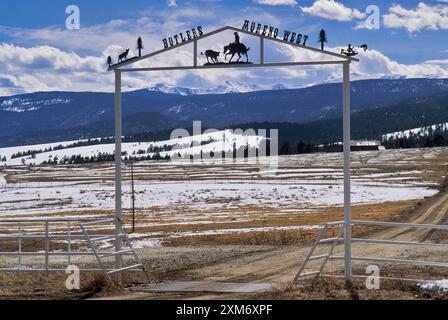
{"x": 183, "y": 37}
{"x": 272, "y": 32}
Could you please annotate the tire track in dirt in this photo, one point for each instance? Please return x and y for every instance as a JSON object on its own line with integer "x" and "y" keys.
{"x": 432, "y": 212}
{"x": 277, "y": 266}
{"x": 280, "y": 266}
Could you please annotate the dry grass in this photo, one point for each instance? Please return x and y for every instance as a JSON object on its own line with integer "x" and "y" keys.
{"x": 339, "y": 289}
{"x": 26, "y": 285}
{"x": 388, "y": 211}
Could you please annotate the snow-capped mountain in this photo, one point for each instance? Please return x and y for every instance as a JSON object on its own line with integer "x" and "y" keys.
{"x": 280, "y": 86}
{"x": 169, "y": 89}
{"x": 233, "y": 87}
{"x": 225, "y": 88}
{"x": 59, "y": 116}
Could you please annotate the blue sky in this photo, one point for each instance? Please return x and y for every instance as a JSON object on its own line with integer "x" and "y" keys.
{"x": 38, "y": 53}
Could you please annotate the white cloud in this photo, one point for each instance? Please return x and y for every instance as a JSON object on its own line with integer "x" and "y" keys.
{"x": 45, "y": 68}
{"x": 373, "y": 65}
{"x": 376, "y": 64}
{"x": 414, "y": 20}
{"x": 75, "y": 61}
{"x": 277, "y": 2}
{"x": 91, "y": 39}
{"x": 172, "y": 3}
{"x": 332, "y": 10}
{"x": 437, "y": 62}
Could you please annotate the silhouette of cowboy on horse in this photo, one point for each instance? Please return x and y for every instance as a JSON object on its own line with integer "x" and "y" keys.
{"x": 236, "y": 48}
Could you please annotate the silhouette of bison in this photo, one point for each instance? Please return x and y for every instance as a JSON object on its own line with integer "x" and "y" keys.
{"x": 123, "y": 56}
{"x": 211, "y": 55}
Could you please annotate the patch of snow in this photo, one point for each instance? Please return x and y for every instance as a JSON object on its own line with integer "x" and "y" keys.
{"x": 25, "y": 105}
{"x": 421, "y": 132}
{"x": 437, "y": 285}
{"x": 242, "y": 230}
{"x": 220, "y": 141}
{"x": 147, "y": 243}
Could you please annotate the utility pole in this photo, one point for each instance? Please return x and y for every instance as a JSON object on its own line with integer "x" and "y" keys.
{"x": 133, "y": 196}
{"x": 118, "y": 177}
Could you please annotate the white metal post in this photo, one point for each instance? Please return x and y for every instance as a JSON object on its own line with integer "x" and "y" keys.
{"x": 347, "y": 176}
{"x": 47, "y": 246}
{"x": 118, "y": 214}
{"x": 195, "y": 53}
{"x": 261, "y": 50}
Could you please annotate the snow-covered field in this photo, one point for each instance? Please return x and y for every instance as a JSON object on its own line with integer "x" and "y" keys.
{"x": 422, "y": 131}
{"x": 215, "y": 142}
{"x": 174, "y": 199}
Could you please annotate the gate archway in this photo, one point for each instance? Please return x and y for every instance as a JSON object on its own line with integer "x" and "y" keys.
{"x": 344, "y": 60}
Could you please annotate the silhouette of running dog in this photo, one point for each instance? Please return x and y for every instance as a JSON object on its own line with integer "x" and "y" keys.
{"x": 212, "y": 55}
{"x": 123, "y": 56}
{"x": 236, "y": 48}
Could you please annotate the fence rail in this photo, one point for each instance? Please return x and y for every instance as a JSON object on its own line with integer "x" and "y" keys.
{"x": 338, "y": 241}
{"x": 323, "y": 180}
{"x": 65, "y": 233}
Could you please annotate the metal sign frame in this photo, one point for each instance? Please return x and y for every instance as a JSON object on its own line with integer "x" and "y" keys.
{"x": 343, "y": 60}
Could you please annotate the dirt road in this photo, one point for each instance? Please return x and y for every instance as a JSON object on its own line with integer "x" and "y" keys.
{"x": 278, "y": 265}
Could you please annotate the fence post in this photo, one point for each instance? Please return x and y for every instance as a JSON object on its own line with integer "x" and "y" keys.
{"x": 20, "y": 244}
{"x": 69, "y": 243}
{"x": 46, "y": 246}
{"x": 347, "y": 173}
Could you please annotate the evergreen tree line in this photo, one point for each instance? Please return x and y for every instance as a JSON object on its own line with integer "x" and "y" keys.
{"x": 98, "y": 141}
{"x": 437, "y": 137}
{"x": 89, "y": 142}
{"x": 101, "y": 157}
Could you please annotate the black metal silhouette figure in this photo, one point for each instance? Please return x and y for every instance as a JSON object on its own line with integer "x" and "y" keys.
{"x": 123, "y": 56}
{"x": 109, "y": 61}
{"x": 322, "y": 39}
{"x": 350, "y": 51}
{"x": 211, "y": 55}
{"x": 236, "y": 48}
{"x": 237, "y": 38}
{"x": 140, "y": 46}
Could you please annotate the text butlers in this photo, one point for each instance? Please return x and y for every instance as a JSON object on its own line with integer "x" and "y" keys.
{"x": 272, "y": 32}
{"x": 182, "y": 37}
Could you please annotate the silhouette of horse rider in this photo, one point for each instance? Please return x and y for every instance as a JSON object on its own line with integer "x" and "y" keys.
{"x": 236, "y": 48}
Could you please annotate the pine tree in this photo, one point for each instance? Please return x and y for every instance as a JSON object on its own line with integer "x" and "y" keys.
{"x": 322, "y": 39}
{"x": 139, "y": 46}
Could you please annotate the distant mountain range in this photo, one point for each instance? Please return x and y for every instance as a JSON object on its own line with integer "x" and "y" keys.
{"x": 56, "y": 116}
{"x": 226, "y": 87}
